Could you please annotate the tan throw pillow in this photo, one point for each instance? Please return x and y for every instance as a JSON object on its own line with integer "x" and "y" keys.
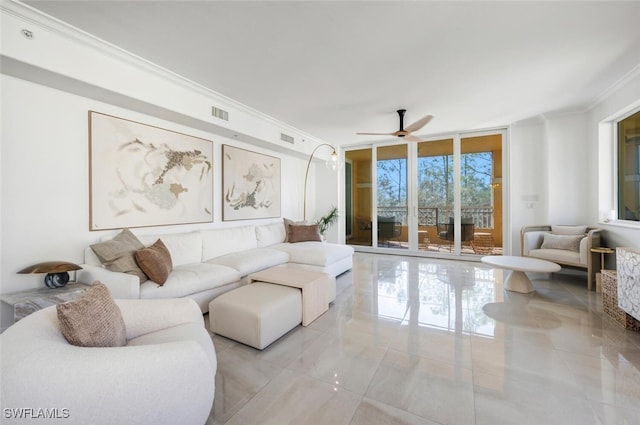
{"x": 288, "y": 223}
{"x": 564, "y": 242}
{"x": 118, "y": 254}
{"x": 93, "y": 319}
{"x": 155, "y": 262}
{"x": 303, "y": 233}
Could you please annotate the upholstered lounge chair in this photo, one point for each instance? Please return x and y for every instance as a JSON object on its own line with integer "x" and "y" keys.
{"x": 569, "y": 246}
{"x": 164, "y": 375}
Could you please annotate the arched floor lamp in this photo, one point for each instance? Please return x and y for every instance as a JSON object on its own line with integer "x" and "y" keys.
{"x": 332, "y": 163}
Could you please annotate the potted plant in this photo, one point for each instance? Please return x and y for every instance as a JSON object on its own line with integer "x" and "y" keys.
{"x": 326, "y": 221}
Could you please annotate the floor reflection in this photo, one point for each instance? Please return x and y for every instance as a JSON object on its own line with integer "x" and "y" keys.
{"x": 412, "y": 340}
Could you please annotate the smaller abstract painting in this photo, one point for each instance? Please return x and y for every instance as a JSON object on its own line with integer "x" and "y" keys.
{"x": 251, "y": 184}
{"x": 141, "y": 175}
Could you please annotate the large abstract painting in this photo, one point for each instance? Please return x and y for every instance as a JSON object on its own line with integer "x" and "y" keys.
{"x": 251, "y": 184}
{"x": 141, "y": 175}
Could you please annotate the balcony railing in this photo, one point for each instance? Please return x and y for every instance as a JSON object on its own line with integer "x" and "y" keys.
{"x": 431, "y": 216}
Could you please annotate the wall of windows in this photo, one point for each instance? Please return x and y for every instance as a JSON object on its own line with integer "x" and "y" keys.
{"x": 434, "y": 196}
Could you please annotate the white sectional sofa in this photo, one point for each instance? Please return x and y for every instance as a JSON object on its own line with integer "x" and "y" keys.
{"x": 207, "y": 263}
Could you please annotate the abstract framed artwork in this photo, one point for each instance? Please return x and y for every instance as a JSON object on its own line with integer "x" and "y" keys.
{"x": 142, "y": 175}
{"x": 251, "y": 184}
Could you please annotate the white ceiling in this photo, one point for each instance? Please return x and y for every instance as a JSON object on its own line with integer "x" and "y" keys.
{"x": 331, "y": 68}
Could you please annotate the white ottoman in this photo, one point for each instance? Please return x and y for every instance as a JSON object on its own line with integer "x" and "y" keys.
{"x": 256, "y": 314}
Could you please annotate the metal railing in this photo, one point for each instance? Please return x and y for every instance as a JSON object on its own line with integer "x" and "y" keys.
{"x": 432, "y": 216}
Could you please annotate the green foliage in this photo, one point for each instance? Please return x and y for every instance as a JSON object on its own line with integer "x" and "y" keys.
{"x": 326, "y": 221}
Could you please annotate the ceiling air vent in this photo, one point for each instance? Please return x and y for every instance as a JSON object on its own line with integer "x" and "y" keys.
{"x": 220, "y": 113}
{"x": 286, "y": 138}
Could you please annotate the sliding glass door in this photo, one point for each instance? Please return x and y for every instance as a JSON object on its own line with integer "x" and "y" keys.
{"x": 435, "y": 195}
{"x": 358, "y": 198}
{"x": 438, "y": 196}
{"x": 392, "y": 196}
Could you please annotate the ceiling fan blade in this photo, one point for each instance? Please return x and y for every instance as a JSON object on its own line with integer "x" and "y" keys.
{"x": 412, "y": 138}
{"x": 419, "y": 124}
{"x": 378, "y": 134}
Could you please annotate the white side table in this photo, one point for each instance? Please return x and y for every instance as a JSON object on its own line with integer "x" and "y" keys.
{"x": 26, "y": 302}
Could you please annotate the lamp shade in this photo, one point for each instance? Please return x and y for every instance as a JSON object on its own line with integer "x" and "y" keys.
{"x": 57, "y": 272}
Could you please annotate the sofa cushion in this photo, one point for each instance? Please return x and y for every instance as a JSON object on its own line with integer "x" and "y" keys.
{"x": 304, "y": 232}
{"x": 93, "y": 319}
{"x": 315, "y": 253}
{"x": 189, "y": 279}
{"x": 185, "y": 248}
{"x": 270, "y": 234}
{"x": 218, "y": 242}
{"x": 155, "y": 262}
{"x": 118, "y": 254}
{"x": 253, "y": 260}
{"x": 568, "y": 230}
{"x": 557, "y": 256}
{"x": 563, "y": 242}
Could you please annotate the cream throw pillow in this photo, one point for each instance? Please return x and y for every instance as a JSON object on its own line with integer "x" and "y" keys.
{"x": 564, "y": 242}
{"x": 568, "y": 230}
{"x": 93, "y": 319}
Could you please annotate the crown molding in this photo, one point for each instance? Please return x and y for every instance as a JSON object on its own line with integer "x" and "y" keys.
{"x": 632, "y": 74}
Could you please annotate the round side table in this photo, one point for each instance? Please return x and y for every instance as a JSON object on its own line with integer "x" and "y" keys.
{"x": 602, "y": 250}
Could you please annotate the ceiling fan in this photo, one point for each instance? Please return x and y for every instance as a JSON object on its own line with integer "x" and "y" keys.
{"x": 405, "y": 132}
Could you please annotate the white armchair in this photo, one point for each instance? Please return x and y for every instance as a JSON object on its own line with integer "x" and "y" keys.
{"x": 164, "y": 375}
{"x": 534, "y": 244}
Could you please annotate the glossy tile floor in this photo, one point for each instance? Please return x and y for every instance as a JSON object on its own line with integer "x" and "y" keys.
{"x": 421, "y": 341}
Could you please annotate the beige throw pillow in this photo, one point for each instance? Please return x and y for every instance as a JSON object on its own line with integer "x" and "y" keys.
{"x": 565, "y": 242}
{"x": 93, "y": 319}
{"x": 155, "y": 262}
{"x": 118, "y": 254}
{"x": 303, "y": 233}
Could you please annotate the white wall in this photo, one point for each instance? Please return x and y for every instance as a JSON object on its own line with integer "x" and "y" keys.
{"x": 562, "y": 168}
{"x": 527, "y": 178}
{"x": 568, "y": 188}
{"x": 45, "y": 209}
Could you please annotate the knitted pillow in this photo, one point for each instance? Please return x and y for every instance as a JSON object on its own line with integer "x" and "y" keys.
{"x": 155, "y": 262}
{"x": 118, "y": 254}
{"x": 302, "y": 233}
{"x": 93, "y": 319}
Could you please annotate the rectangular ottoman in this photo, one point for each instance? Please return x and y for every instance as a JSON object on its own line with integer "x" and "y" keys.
{"x": 256, "y": 314}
